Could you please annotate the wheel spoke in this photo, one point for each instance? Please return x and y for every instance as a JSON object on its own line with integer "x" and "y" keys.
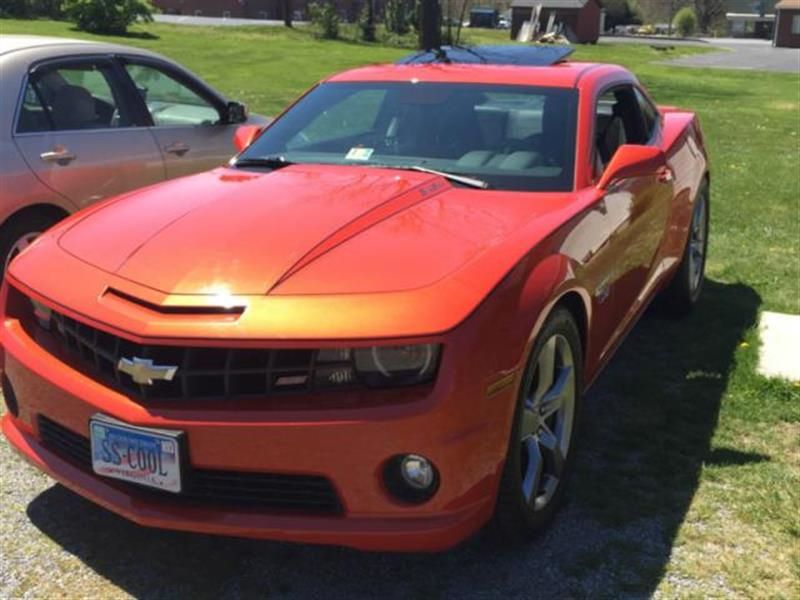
{"x": 546, "y": 366}
{"x": 21, "y": 244}
{"x": 530, "y": 421}
{"x": 554, "y": 399}
{"x": 550, "y": 443}
{"x": 533, "y": 474}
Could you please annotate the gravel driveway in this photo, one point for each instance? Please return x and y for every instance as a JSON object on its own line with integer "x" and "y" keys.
{"x": 55, "y": 543}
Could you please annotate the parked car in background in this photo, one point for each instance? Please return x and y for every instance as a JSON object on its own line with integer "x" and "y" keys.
{"x": 82, "y": 121}
{"x": 385, "y": 344}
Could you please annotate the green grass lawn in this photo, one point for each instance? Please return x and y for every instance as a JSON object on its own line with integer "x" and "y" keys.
{"x": 683, "y": 440}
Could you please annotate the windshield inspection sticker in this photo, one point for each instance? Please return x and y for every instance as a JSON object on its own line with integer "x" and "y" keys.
{"x": 359, "y": 153}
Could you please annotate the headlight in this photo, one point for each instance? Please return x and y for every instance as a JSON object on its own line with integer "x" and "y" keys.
{"x": 381, "y": 366}
{"x": 42, "y": 313}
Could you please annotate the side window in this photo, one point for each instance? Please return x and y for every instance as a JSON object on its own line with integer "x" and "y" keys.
{"x": 649, "y": 114}
{"x": 72, "y": 97}
{"x": 618, "y": 121}
{"x": 169, "y": 101}
{"x": 33, "y": 114}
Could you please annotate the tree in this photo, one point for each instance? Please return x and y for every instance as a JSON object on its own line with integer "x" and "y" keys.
{"x": 366, "y": 22}
{"x": 287, "y": 12}
{"x": 325, "y": 18}
{"x": 396, "y": 17}
{"x": 621, "y": 12}
{"x": 430, "y": 32}
{"x": 107, "y": 16}
{"x": 709, "y": 11}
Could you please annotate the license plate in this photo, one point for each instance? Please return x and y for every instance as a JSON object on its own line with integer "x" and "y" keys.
{"x": 149, "y": 457}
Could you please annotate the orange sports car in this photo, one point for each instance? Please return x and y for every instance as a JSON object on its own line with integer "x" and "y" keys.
{"x": 375, "y": 326}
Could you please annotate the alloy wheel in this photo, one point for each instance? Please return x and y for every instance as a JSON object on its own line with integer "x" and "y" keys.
{"x": 547, "y": 421}
{"x": 697, "y": 243}
{"x": 20, "y": 245}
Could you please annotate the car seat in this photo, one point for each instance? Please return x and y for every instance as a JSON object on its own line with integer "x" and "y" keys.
{"x": 73, "y": 108}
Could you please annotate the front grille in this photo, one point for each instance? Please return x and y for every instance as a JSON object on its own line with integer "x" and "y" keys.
{"x": 201, "y": 372}
{"x": 307, "y": 493}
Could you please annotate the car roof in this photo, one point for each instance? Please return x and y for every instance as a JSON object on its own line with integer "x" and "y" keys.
{"x": 15, "y": 43}
{"x": 10, "y": 43}
{"x": 564, "y": 74}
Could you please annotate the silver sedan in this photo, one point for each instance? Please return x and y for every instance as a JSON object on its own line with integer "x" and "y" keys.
{"x": 81, "y": 121}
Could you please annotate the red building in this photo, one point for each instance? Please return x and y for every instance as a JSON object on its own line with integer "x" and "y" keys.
{"x": 787, "y": 24}
{"x": 581, "y": 18}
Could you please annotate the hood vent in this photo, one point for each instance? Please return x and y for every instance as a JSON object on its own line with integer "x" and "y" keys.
{"x": 174, "y": 310}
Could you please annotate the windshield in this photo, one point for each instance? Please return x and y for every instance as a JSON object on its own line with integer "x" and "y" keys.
{"x": 511, "y": 137}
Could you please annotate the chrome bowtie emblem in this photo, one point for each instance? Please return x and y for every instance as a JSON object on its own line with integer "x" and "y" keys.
{"x": 143, "y": 371}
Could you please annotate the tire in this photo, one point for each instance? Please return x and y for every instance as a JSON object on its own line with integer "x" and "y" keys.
{"x": 526, "y": 504}
{"x": 680, "y": 296}
{"x": 19, "y": 231}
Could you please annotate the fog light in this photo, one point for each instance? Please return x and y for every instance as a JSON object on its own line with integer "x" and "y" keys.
{"x": 411, "y": 478}
{"x": 9, "y": 396}
{"x": 417, "y": 471}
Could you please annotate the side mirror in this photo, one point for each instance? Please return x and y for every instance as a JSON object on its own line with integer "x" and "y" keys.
{"x": 631, "y": 160}
{"x": 244, "y": 136}
{"x": 236, "y": 113}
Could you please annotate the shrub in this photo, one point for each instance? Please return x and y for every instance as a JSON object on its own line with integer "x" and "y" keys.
{"x": 325, "y": 18}
{"x": 396, "y": 17}
{"x": 107, "y": 16}
{"x": 685, "y": 22}
{"x": 27, "y": 9}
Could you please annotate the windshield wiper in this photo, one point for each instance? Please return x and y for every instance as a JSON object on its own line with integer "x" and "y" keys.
{"x": 268, "y": 162}
{"x": 463, "y": 179}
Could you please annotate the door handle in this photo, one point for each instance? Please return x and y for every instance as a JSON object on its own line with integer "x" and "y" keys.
{"x": 177, "y": 148}
{"x": 59, "y": 155}
{"x": 665, "y": 174}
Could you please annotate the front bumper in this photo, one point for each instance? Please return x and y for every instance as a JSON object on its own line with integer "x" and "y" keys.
{"x": 458, "y": 432}
{"x": 432, "y": 533}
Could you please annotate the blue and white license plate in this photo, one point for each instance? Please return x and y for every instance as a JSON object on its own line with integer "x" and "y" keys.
{"x": 149, "y": 457}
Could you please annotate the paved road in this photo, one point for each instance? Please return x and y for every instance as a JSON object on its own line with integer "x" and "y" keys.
{"x": 733, "y": 53}
{"x": 215, "y": 21}
{"x": 755, "y": 55}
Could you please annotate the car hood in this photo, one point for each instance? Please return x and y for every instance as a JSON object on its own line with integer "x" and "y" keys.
{"x": 303, "y": 229}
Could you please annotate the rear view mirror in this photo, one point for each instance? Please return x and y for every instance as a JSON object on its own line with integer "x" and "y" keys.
{"x": 245, "y": 135}
{"x": 631, "y": 160}
{"x": 237, "y": 113}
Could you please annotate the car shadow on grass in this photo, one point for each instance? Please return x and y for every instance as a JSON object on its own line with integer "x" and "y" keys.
{"x": 645, "y": 437}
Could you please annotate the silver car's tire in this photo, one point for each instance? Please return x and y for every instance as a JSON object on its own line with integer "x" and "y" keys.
{"x": 19, "y": 232}
{"x": 541, "y": 445}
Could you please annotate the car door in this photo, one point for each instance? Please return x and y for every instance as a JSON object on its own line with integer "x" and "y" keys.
{"x": 635, "y": 209}
{"x": 80, "y": 134}
{"x": 188, "y": 121}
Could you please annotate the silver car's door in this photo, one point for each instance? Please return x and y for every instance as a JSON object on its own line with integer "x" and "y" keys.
{"x": 188, "y": 119}
{"x": 80, "y": 134}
